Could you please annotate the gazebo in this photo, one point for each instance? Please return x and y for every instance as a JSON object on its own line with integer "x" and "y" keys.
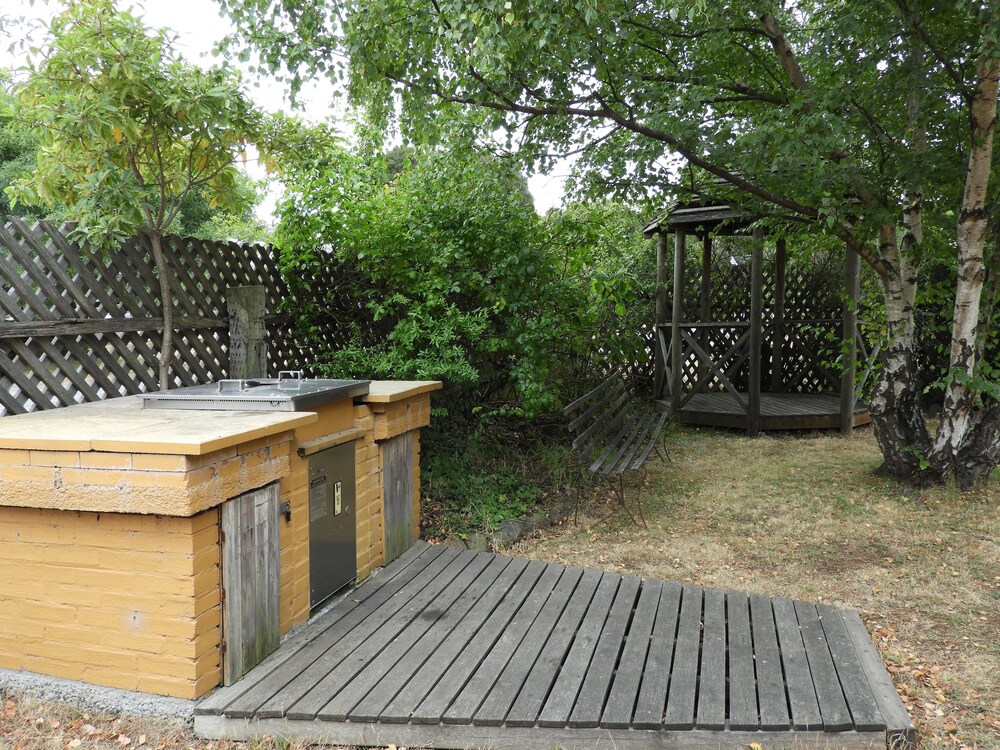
{"x": 778, "y": 352}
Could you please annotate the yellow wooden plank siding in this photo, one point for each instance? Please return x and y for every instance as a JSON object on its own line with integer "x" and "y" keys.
{"x": 125, "y": 601}
{"x": 140, "y": 483}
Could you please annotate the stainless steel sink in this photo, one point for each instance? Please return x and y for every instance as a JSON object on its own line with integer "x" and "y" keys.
{"x": 288, "y": 392}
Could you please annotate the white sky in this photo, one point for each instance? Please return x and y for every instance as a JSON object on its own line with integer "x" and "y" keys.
{"x": 199, "y": 27}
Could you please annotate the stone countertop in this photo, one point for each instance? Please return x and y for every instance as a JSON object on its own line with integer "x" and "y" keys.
{"x": 122, "y": 425}
{"x": 390, "y": 391}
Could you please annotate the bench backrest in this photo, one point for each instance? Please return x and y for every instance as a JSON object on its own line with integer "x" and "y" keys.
{"x": 599, "y": 413}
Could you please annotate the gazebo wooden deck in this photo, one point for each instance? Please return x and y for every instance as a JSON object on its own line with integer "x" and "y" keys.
{"x": 454, "y": 649}
{"x": 763, "y": 350}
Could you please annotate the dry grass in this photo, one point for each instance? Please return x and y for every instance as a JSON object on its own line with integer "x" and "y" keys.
{"x": 27, "y": 724}
{"x": 805, "y": 517}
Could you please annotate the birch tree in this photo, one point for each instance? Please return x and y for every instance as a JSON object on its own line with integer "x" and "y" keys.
{"x": 868, "y": 121}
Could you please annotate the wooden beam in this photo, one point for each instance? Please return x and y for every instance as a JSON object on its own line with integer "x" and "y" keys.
{"x": 78, "y": 326}
{"x": 676, "y": 360}
{"x": 848, "y": 378}
{"x": 247, "y": 333}
{"x": 778, "y": 340}
{"x": 659, "y": 358}
{"x": 756, "y": 282}
{"x": 706, "y": 293}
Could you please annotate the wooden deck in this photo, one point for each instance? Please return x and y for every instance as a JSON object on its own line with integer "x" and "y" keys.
{"x": 778, "y": 411}
{"x": 454, "y": 649}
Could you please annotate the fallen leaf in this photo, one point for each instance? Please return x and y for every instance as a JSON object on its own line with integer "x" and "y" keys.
{"x": 142, "y": 739}
{"x": 74, "y": 743}
{"x": 755, "y": 746}
{"x": 124, "y": 740}
{"x": 88, "y": 729}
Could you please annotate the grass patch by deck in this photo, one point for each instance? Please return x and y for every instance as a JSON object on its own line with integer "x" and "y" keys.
{"x": 804, "y": 516}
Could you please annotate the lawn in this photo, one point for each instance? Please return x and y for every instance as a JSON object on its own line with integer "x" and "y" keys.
{"x": 800, "y": 516}
{"x": 805, "y": 516}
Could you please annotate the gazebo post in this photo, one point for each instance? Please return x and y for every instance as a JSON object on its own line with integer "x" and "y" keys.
{"x": 756, "y": 282}
{"x": 778, "y": 340}
{"x": 848, "y": 377}
{"x": 659, "y": 361}
{"x": 676, "y": 361}
{"x": 706, "y": 296}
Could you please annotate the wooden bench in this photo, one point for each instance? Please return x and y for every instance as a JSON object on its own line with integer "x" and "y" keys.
{"x": 613, "y": 434}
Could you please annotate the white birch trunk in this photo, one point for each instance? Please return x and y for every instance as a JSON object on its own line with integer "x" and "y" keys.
{"x": 959, "y": 397}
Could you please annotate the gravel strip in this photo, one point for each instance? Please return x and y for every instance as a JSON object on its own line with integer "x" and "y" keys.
{"x": 95, "y": 698}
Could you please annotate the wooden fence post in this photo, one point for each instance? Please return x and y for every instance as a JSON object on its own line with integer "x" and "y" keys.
{"x": 247, "y": 334}
{"x": 676, "y": 358}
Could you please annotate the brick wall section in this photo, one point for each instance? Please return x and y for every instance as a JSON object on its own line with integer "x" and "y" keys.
{"x": 149, "y": 483}
{"x": 126, "y": 601}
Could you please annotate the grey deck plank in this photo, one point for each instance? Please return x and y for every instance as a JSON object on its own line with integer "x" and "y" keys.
{"x": 770, "y": 680}
{"x": 900, "y": 732}
{"x": 832, "y": 704}
{"x": 467, "y": 702}
{"x": 501, "y": 696}
{"x": 742, "y": 680}
{"x": 864, "y": 708}
{"x": 223, "y": 697}
{"x": 684, "y": 674}
{"x": 559, "y": 704}
{"x": 712, "y": 675}
{"x": 356, "y": 687}
{"x": 431, "y": 709}
{"x": 590, "y": 701}
{"x": 338, "y": 666}
{"x": 399, "y": 673}
{"x": 397, "y": 709}
{"x": 299, "y": 678}
{"x": 535, "y": 690}
{"x": 656, "y": 677}
{"x": 374, "y": 605}
{"x": 625, "y": 688}
{"x": 801, "y": 692}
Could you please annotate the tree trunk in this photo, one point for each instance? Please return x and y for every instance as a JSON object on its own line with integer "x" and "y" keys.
{"x": 895, "y": 406}
{"x": 167, "y": 304}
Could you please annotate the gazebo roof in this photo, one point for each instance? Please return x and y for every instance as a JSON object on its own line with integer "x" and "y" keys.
{"x": 699, "y": 218}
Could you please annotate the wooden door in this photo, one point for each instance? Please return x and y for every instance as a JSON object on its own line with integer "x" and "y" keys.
{"x": 250, "y": 580}
{"x": 397, "y": 478}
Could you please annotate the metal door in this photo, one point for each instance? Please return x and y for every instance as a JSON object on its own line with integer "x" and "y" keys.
{"x": 332, "y": 525}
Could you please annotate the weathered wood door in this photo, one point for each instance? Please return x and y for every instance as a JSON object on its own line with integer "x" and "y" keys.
{"x": 250, "y": 580}
{"x": 397, "y": 477}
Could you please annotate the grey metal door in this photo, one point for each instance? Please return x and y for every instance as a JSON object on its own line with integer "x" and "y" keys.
{"x": 332, "y": 525}
{"x": 250, "y": 580}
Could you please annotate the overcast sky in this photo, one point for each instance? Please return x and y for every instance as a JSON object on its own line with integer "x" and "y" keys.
{"x": 199, "y": 26}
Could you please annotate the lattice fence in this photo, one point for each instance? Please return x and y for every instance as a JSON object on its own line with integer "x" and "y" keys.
{"x": 809, "y": 336}
{"x": 82, "y": 325}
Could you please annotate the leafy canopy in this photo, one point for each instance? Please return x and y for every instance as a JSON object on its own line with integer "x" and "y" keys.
{"x": 127, "y": 130}
{"x": 450, "y": 263}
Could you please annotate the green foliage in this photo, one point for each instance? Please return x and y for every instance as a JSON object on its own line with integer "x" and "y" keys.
{"x": 472, "y": 480}
{"x": 126, "y": 129}
{"x": 451, "y": 267}
{"x": 612, "y": 269}
{"x": 17, "y": 156}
